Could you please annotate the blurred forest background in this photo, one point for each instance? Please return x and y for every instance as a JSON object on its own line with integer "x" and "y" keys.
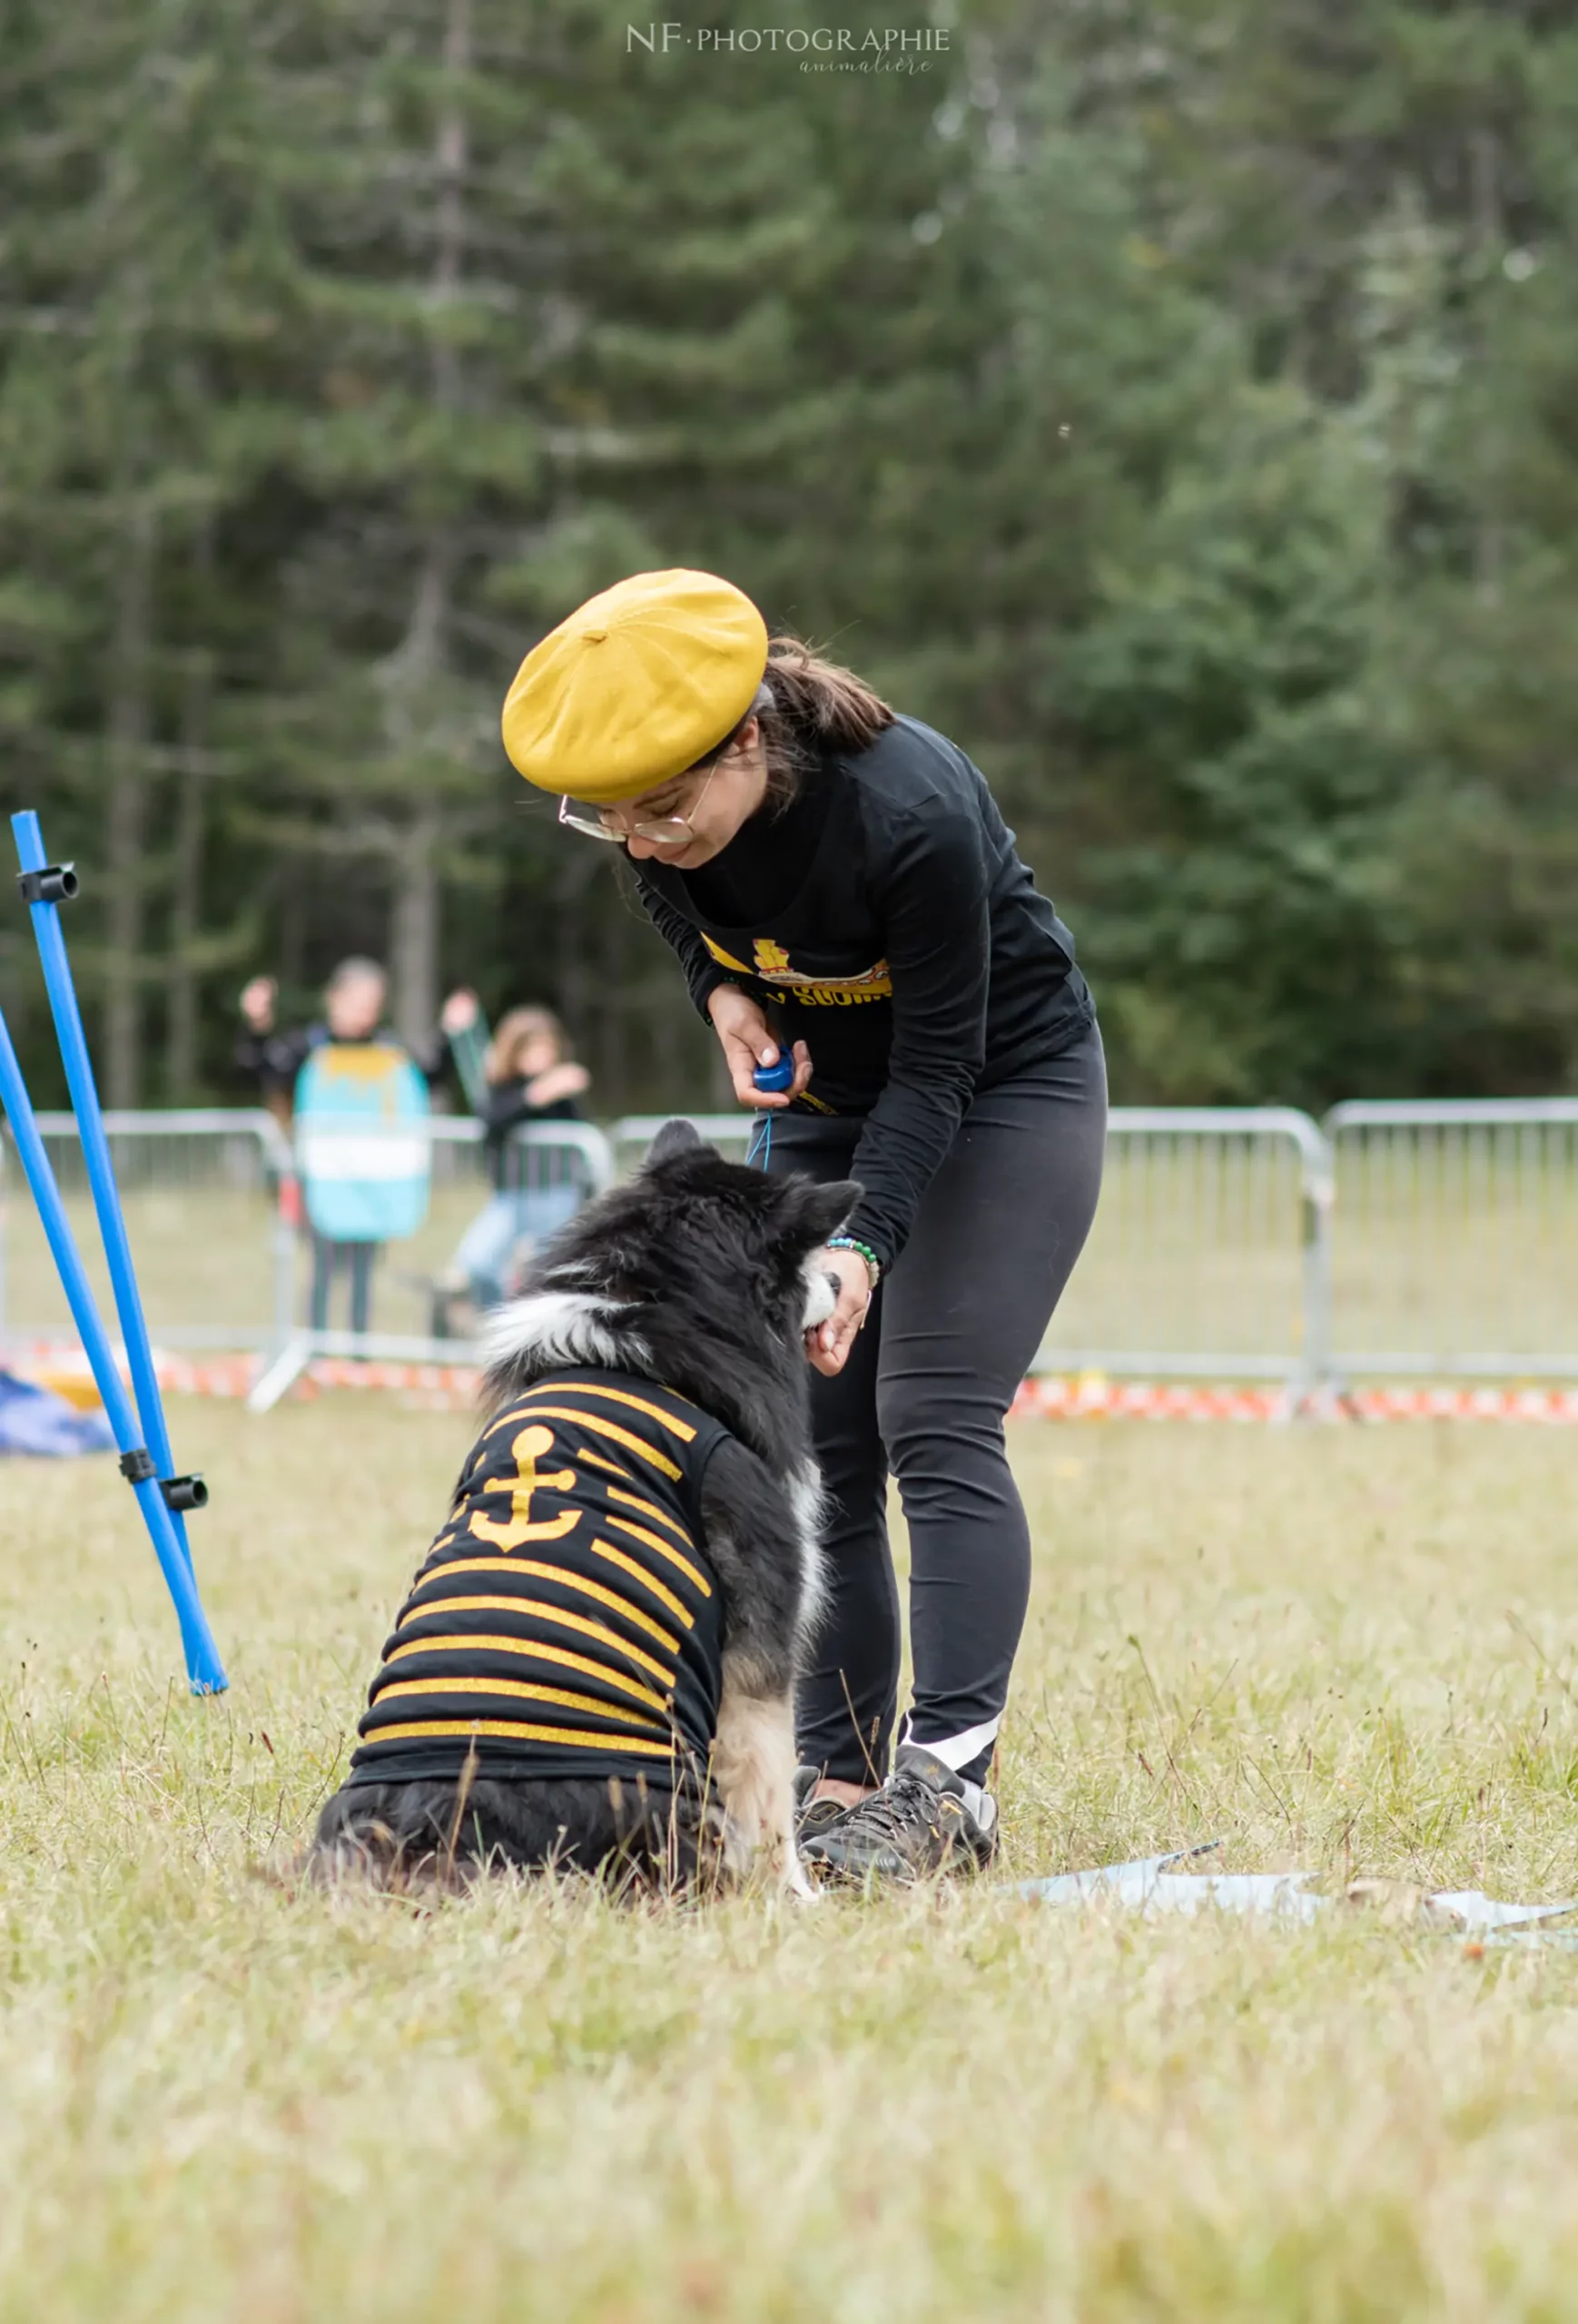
{"x": 1174, "y": 401}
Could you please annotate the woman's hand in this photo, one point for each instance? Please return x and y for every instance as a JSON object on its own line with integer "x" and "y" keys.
{"x": 747, "y": 1042}
{"x": 564, "y": 1079}
{"x": 258, "y": 1003}
{"x": 460, "y": 1011}
{"x": 828, "y": 1344}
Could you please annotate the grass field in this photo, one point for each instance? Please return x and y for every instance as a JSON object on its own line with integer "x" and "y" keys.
{"x": 1335, "y": 1648}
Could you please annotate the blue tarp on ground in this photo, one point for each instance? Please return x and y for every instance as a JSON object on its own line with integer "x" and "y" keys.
{"x": 36, "y": 1420}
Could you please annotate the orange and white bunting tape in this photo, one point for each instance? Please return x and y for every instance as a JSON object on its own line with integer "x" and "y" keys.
{"x": 66, "y": 1370}
{"x": 1085, "y": 1395}
{"x": 443, "y": 1383}
{"x": 1092, "y": 1395}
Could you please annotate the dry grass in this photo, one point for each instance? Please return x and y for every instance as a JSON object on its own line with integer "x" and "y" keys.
{"x": 1331, "y": 1647}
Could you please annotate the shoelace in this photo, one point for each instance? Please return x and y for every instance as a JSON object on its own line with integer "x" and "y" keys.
{"x": 887, "y": 1812}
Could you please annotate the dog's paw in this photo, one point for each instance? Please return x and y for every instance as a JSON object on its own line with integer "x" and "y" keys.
{"x": 738, "y": 1850}
{"x": 796, "y": 1882}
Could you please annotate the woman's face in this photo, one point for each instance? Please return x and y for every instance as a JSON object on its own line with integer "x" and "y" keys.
{"x": 537, "y": 1053}
{"x": 354, "y": 1007}
{"x": 709, "y": 803}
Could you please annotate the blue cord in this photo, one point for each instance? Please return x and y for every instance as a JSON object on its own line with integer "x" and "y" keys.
{"x": 777, "y": 1076}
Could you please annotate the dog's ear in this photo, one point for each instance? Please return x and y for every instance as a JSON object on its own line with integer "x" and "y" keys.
{"x": 675, "y": 1138}
{"x": 808, "y": 1214}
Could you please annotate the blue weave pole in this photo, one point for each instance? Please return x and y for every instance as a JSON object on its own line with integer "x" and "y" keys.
{"x": 179, "y": 1492}
{"x": 203, "y": 1667}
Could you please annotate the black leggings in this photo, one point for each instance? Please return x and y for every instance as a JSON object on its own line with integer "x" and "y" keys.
{"x": 949, "y": 1338}
{"x": 327, "y": 1258}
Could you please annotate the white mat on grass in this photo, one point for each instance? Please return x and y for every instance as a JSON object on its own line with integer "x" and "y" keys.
{"x": 1149, "y": 1886}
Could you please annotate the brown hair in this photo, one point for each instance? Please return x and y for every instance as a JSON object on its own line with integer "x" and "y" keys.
{"x": 817, "y": 705}
{"x": 510, "y": 1036}
{"x": 805, "y": 707}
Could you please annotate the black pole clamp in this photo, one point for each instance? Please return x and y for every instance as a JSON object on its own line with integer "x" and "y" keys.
{"x": 177, "y": 1493}
{"x": 58, "y": 884}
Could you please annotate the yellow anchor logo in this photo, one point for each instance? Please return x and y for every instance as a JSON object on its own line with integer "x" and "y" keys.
{"x": 527, "y": 1448}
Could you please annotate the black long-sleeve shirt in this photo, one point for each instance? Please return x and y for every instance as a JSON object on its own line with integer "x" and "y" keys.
{"x": 886, "y": 921}
{"x": 508, "y": 1107}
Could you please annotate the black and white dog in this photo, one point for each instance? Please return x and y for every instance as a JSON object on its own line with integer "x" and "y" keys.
{"x": 595, "y": 1664}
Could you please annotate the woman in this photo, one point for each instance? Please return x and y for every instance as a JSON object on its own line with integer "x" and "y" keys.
{"x": 837, "y": 884}
{"x": 528, "y": 1076}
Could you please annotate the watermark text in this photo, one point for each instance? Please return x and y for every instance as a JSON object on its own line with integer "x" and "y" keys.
{"x": 893, "y": 47}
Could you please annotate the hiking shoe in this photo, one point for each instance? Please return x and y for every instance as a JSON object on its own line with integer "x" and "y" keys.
{"x": 812, "y": 1815}
{"x": 925, "y": 1820}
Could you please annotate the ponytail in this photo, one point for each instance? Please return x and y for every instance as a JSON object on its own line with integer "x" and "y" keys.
{"x": 821, "y": 701}
{"x": 815, "y": 706}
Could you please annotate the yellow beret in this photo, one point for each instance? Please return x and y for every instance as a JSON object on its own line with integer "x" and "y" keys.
{"x": 636, "y": 686}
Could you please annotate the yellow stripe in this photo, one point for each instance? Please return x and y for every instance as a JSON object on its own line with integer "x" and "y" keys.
{"x": 612, "y": 1467}
{"x": 602, "y": 1427}
{"x": 541, "y": 1651}
{"x": 519, "y": 1731}
{"x": 571, "y": 1580}
{"x": 681, "y": 1429}
{"x": 627, "y": 1564}
{"x": 561, "y": 1614}
{"x": 640, "y": 1533}
{"x": 728, "y": 960}
{"x": 650, "y": 1509}
{"x": 509, "y": 1687}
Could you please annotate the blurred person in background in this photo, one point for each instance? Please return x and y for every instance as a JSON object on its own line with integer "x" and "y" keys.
{"x": 841, "y": 890}
{"x": 529, "y": 1077}
{"x": 354, "y": 1000}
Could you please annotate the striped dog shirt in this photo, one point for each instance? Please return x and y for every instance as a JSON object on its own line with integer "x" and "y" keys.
{"x": 566, "y": 1622}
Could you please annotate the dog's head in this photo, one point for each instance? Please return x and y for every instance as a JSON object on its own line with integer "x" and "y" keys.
{"x": 769, "y": 1227}
{"x": 696, "y": 1271}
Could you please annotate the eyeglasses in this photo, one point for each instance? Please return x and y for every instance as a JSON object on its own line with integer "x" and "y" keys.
{"x": 668, "y": 830}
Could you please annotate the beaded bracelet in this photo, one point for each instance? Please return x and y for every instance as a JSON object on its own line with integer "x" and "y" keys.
{"x": 862, "y": 1250}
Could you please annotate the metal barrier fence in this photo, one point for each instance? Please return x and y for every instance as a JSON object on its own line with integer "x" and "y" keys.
{"x": 198, "y": 1188}
{"x": 214, "y": 1216}
{"x": 1456, "y": 1237}
{"x": 1419, "y": 1239}
{"x": 1208, "y": 1256}
{"x": 732, "y": 1134}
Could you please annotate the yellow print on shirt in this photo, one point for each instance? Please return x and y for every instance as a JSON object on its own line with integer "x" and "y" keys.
{"x": 529, "y": 1448}
{"x": 771, "y": 963}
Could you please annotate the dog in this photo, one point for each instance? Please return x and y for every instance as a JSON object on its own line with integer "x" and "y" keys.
{"x": 595, "y": 1667}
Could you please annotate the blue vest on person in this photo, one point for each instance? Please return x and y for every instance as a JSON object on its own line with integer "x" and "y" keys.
{"x": 361, "y": 1142}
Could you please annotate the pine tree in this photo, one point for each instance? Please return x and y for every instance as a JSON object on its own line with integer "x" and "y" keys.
{"x": 1299, "y": 697}
{"x": 125, "y": 419}
{"x": 1171, "y": 398}
{"x": 410, "y": 457}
